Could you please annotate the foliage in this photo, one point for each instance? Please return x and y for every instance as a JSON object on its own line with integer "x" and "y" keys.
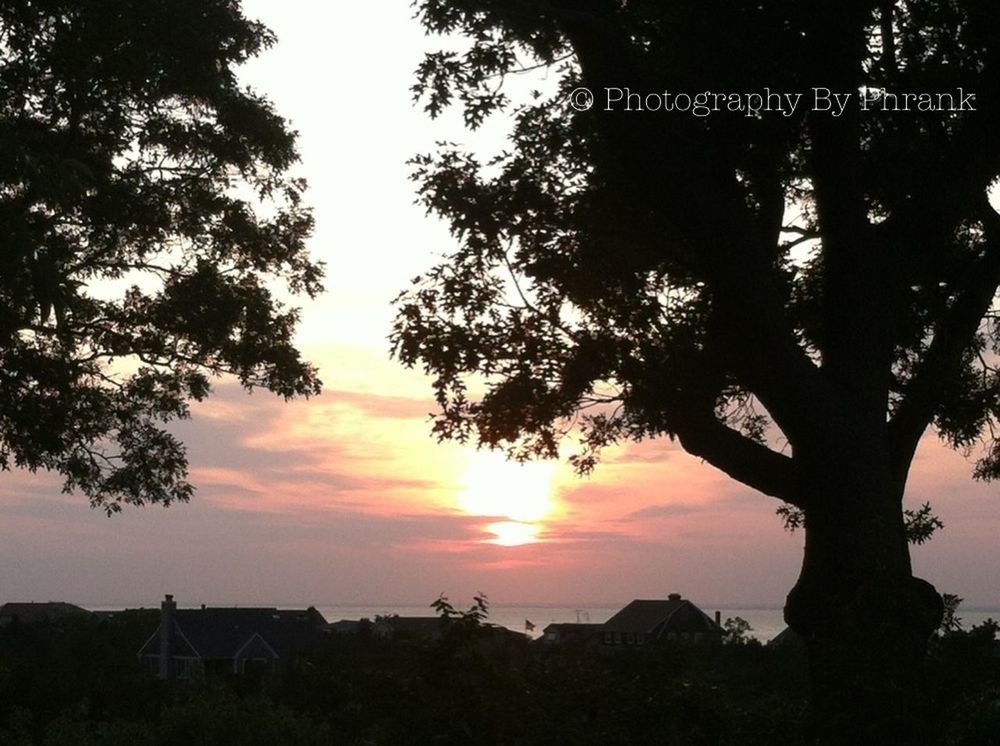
{"x": 78, "y": 666}
{"x": 965, "y": 676}
{"x": 919, "y": 525}
{"x": 795, "y": 296}
{"x": 78, "y": 682}
{"x": 459, "y": 627}
{"x": 218, "y": 716}
{"x": 456, "y": 690}
{"x": 792, "y": 518}
{"x": 950, "y": 621}
{"x": 476, "y": 615}
{"x": 147, "y": 216}
{"x": 737, "y": 631}
{"x": 639, "y": 270}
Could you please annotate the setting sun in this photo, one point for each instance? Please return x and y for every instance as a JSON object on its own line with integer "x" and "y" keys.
{"x": 495, "y": 487}
{"x": 512, "y": 533}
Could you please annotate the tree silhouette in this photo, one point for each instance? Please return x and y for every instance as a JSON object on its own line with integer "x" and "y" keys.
{"x": 794, "y": 295}
{"x": 146, "y": 216}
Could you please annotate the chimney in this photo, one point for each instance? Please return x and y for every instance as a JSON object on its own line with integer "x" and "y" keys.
{"x": 167, "y": 609}
{"x": 674, "y": 597}
{"x": 718, "y": 617}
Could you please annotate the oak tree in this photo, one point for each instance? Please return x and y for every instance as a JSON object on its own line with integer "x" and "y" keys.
{"x": 796, "y": 294}
{"x": 147, "y": 220}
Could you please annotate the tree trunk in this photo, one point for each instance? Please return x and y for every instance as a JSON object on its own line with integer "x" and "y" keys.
{"x": 865, "y": 619}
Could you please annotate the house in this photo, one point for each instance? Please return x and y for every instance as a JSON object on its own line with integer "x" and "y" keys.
{"x": 409, "y": 628}
{"x": 423, "y": 629}
{"x": 229, "y": 640}
{"x": 651, "y": 621}
{"x": 31, "y": 612}
{"x": 570, "y": 633}
{"x": 351, "y": 627}
{"x": 788, "y": 639}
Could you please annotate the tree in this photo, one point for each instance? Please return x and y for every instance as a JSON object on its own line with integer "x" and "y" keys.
{"x": 951, "y": 622}
{"x": 147, "y": 216}
{"x": 795, "y": 294}
{"x": 464, "y": 621}
{"x": 736, "y": 631}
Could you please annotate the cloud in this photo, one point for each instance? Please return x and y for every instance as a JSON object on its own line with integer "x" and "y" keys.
{"x": 346, "y": 497}
{"x": 384, "y": 407}
{"x": 654, "y": 450}
{"x": 662, "y": 511}
{"x": 344, "y": 449}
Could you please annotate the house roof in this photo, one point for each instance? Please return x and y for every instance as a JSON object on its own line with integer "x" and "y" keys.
{"x": 348, "y": 626}
{"x": 572, "y": 627}
{"x": 656, "y": 616}
{"x": 219, "y": 633}
{"x": 31, "y": 611}
{"x": 788, "y": 638}
{"x": 413, "y": 626}
{"x": 569, "y": 632}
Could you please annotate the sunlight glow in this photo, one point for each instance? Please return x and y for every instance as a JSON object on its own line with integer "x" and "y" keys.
{"x": 512, "y": 533}
{"x": 493, "y": 486}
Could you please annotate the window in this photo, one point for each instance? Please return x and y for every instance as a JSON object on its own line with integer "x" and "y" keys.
{"x": 185, "y": 668}
{"x": 255, "y": 665}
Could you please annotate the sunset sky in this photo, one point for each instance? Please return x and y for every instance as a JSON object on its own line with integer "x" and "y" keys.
{"x": 345, "y": 498}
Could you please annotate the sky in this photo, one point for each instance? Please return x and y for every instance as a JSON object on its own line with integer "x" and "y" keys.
{"x": 345, "y": 499}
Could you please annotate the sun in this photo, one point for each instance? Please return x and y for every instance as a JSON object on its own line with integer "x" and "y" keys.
{"x": 512, "y": 533}
{"x": 522, "y": 493}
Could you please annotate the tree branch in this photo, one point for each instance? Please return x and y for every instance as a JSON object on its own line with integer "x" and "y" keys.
{"x": 690, "y": 414}
{"x": 857, "y": 297}
{"x": 745, "y": 460}
{"x": 888, "y": 37}
{"x": 952, "y": 336}
{"x": 736, "y": 259}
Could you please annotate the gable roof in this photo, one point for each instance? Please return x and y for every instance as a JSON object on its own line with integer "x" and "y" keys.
{"x": 220, "y": 633}
{"x": 256, "y": 647}
{"x": 410, "y": 627}
{"x": 563, "y": 628}
{"x": 653, "y": 617}
{"x": 570, "y": 632}
{"x": 348, "y": 626}
{"x": 31, "y": 611}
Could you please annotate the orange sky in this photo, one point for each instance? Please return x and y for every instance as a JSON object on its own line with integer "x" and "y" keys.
{"x": 345, "y": 499}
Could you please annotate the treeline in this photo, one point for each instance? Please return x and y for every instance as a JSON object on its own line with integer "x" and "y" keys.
{"x": 77, "y": 682}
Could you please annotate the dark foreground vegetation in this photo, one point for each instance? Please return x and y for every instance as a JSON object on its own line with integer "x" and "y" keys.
{"x": 77, "y": 682}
